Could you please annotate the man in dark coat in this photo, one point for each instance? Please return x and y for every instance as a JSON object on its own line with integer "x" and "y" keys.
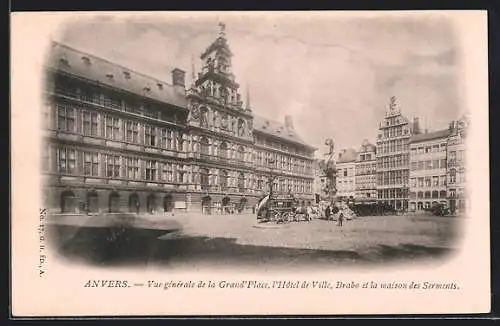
{"x": 327, "y": 212}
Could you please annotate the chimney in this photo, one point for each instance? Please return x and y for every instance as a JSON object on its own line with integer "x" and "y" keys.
{"x": 416, "y": 126}
{"x": 179, "y": 80}
{"x": 288, "y": 123}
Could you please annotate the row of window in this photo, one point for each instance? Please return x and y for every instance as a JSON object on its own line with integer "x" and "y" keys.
{"x": 393, "y": 146}
{"x": 91, "y": 123}
{"x": 395, "y": 131}
{"x": 66, "y": 87}
{"x": 436, "y": 148}
{"x": 392, "y": 193}
{"x": 93, "y": 164}
{"x": 392, "y": 177}
{"x": 283, "y": 162}
{"x": 428, "y": 181}
{"x": 281, "y": 146}
{"x": 428, "y": 165}
{"x": 428, "y": 194}
{"x": 396, "y": 161}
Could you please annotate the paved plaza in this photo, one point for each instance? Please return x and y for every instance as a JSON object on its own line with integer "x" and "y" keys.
{"x": 238, "y": 240}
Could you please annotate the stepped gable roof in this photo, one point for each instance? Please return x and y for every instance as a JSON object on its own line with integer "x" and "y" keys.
{"x": 430, "y": 135}
{"x": 102, "y": 71}
{"x": 348, "y": 155}
{"x": 276, "y": 129}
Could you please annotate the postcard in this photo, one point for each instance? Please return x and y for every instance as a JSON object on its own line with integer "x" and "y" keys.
{"x": 249, "y": 163}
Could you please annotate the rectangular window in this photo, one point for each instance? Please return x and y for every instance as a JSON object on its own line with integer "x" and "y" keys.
{"x": 132, "y": 132}
{"x": 91, "y": 164}
{"x": 133, "y": 168}
{"x": 435, "y": 181}
{"x": 168, "y": 174}
{"x": 113, "y": 166}
{"x": 428, "y": 182}
{"x": 150, "y": 170}
{"x": 67, "y": 161}
{"x": 66, "y": 118}
{"x": 150, "y": 135}
{"x": 420, "y": 182}
{"x": 112, "y": 127}
{"x": 90, "y": 123}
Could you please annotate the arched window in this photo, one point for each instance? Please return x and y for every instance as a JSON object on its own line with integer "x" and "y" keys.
{"x": 442, "y": 194}
{"x": 92, "y": 202}
{"x": 114, "y": 202}
{"x": 427, "y": 194}
{"x": 420, "y": 195}
{"x": 204, "y": 146}
{"x": 223, "y": 178}
{"x": 68, "y": 202}
{"x": 241, "y": 182}
{"x": 223, "y": 150}
{"x": 435, "y": 194}
{"x": 151, "y": 203}
{"x": 204, "y": 179}
{"x": 168, "y": 204}
{"x": 133, "y": 203}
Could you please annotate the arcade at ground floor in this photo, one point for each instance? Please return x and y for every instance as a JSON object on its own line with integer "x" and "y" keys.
{"x": 66, "y": 200}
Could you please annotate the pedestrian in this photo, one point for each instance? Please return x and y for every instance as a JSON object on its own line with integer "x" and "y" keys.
{"x": 341, "y": 218}
{"x": 327, "y": 212}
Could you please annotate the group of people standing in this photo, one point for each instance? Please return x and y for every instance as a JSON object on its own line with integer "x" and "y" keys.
{"x": 339, "y": 212}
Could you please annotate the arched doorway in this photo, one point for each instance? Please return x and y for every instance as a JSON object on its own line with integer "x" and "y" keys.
{"x": 225, "y": 204}
{"x": 133, "y": 203}
{"x": 243, "y": 203}
{"x": 151, "y": 203}
{"x": 114, "y": 202}
{"x": 68, "y": 202}
{"x": 92, "y": 202}
{"x": 206, "y": 205}
{"x": 168, "y": 204}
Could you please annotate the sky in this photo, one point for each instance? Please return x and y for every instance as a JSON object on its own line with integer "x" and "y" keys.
{"x": 333, "y": 74}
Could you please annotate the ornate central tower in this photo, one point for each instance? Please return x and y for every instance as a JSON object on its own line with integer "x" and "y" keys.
{"x": 214, "y": 100}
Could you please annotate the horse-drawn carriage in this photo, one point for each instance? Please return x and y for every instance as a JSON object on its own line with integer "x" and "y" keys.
{"x": 281, "y": 209}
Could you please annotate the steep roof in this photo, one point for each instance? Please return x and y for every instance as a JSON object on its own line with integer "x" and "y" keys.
{"x": 348, "y": 155}
{"x": 90, "y": 67}
{"x": 430, "y": 135}
{"x": 276, "y": 129}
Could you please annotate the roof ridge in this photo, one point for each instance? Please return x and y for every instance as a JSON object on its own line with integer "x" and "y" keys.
{"x": 111, "y": 62}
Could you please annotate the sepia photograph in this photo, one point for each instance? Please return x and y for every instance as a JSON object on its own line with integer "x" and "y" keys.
{"x": 260, "y": 143}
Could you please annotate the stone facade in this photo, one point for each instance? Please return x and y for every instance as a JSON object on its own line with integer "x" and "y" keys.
{"x": 119, "y": 141}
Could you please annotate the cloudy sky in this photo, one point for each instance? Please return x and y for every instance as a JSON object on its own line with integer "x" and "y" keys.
{"x": 334, "y": 75}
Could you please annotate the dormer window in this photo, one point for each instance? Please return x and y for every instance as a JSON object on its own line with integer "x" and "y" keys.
{"x": 110, "y": 76}
{"x": 146, "y": 89}
{"x": 126, "y": 74}
{"x": 160, "y": 85}
{"x": 86, "y": 60}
